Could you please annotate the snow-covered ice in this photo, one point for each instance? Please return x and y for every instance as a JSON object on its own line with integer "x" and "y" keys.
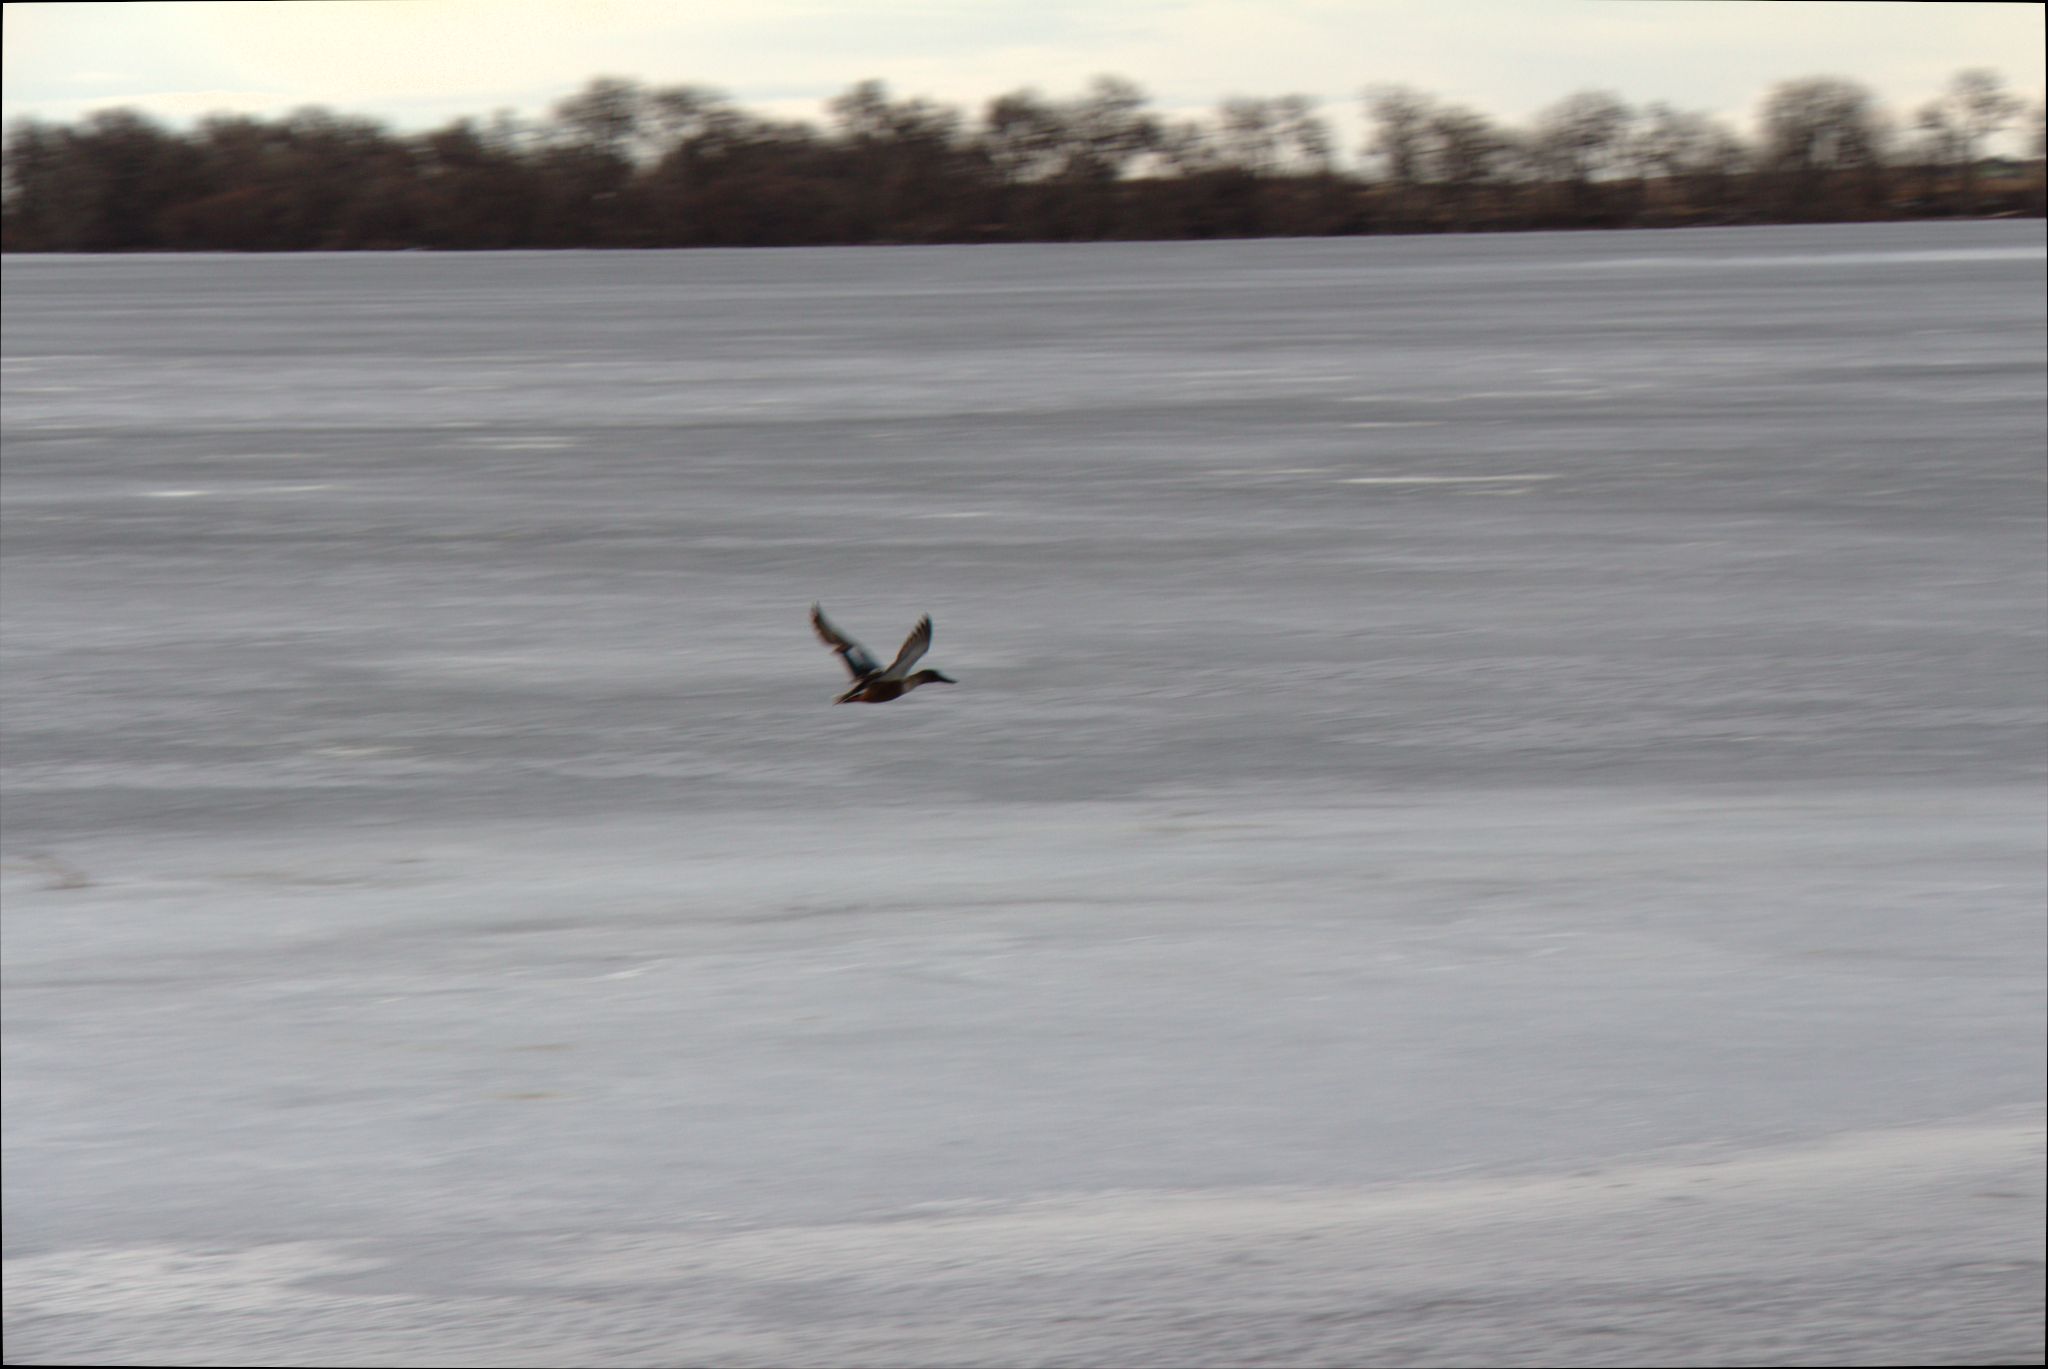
{"x": 1494, "y": 812}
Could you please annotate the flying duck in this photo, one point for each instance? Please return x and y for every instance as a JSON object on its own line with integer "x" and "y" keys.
{"x": 871, "y": 683}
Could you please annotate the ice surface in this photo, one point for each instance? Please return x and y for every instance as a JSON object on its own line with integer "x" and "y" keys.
{"x": 1494, "y": 812}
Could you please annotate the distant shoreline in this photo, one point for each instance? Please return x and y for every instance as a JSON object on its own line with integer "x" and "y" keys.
{"x": 625, "y": 165}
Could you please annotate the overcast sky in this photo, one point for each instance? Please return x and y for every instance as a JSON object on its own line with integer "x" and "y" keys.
{"x": 420, "y": 63}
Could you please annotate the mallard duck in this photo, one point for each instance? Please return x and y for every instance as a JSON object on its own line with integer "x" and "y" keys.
{"x": 871, "y": 683}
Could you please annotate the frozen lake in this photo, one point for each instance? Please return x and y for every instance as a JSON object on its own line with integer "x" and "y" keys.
{"x": 1494, "y": 812}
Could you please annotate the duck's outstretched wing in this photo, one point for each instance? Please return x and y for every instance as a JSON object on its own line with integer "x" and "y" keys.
{"x": 858, "y": 663}
{"x": 915, "y": 645}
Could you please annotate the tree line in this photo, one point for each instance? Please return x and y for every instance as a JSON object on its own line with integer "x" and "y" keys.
{"x": 620, "y": 164}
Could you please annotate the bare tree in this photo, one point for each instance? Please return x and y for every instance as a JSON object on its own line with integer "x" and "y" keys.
{"x": 1247, "y": 134}
{"x": 1692, "y": 157}
{"x": 904, "y": 157}
{"x": 1400, "y": 117}
{"x": 605, "y": 116}
{"x": 1023, "y": 135}
{"x": 1309, "y": 133}
{"x": 1467, "y": 154}
{"x": 676, "y": 115}
{"x": 1188, "y": 147}
{"x": 1821, "y": 123}
{"x": 1579, "y": 140}
{"x": 1109, "y": 130}
{"x": 1974, "y": 107}
{"x": 1059, "y": 162}
{"x": 1819, "y": 131}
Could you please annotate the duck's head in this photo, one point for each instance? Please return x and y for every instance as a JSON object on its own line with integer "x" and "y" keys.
{"x": 924, "y": 677}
